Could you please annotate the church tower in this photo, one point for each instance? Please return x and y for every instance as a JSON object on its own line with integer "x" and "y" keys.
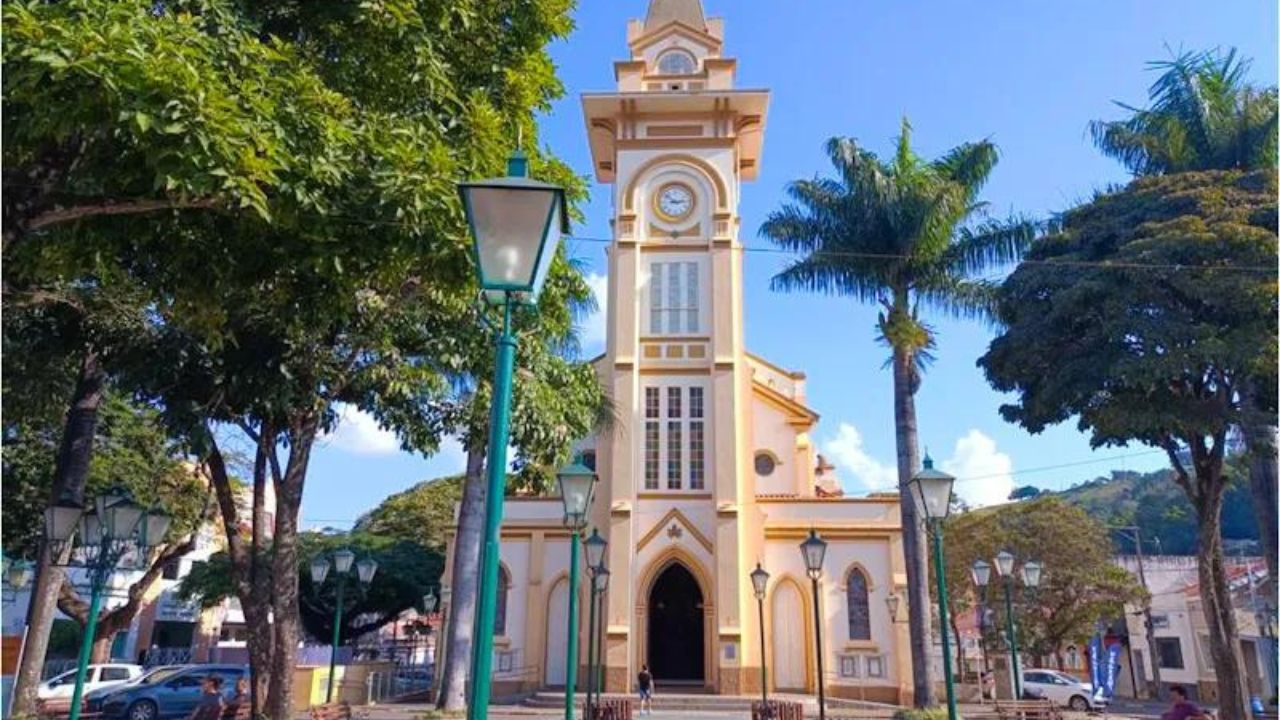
{"x": 676, "y": 140}
{"x": 708, "y": 467}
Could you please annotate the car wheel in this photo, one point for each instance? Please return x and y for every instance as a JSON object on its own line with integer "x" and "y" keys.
{"x": 143, "y": 710}
{"x": 1078, "y": 703}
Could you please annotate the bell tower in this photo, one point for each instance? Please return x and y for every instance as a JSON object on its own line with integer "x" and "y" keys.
{"x": 675, "y": 140}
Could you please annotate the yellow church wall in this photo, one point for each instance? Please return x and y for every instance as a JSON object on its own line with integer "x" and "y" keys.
{"x": 772, "y": 434}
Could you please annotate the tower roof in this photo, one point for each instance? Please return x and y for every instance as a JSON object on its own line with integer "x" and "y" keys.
{"x": 665, "y": 12}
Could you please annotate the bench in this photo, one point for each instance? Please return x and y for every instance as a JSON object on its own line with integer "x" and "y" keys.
{"x": 332, "y": 711}
{"x": 777, "y": 710}
{"x": 1027, "y": 710}
{"x": 613, "y": 709}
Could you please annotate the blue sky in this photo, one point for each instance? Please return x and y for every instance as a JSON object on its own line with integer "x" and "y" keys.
{"x": 1027, "y": 74}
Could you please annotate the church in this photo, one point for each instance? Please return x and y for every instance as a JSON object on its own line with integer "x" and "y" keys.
{"x": 710, "y": 466}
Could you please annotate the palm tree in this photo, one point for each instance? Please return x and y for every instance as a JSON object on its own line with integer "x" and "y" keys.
{"x": 906, "y": 234}
{"x": 1203, "y": 116}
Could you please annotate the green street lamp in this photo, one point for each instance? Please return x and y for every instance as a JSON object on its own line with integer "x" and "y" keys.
{"x": 1030, "y": 573}
{"x": 115, "y": 527}
{"x": 814, "y": 550}
{"x": 515, "y": 224}
{"x": 595, "y": 547}
{"x": 601, "y": 581}
{"x": 932, "y": 491}
{"x": 759, "y": 586}
{"x": 342, "y": 560}
{"x": 577, "y": 485}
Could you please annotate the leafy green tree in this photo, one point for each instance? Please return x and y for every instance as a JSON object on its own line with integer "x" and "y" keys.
{"x": 1079, "y": 587}
{"x": 133, "y": 452}
{"x": 1146, "y": 316}
{"x": 279, "y": 178}
{"x": 421, "y": 514}
{"x": 405, "y": 572}
{"x": 904, "y": 233}
{"x": 1205, "y": 115}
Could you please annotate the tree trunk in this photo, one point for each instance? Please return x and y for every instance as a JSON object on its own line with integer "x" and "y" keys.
{"x": 466, "y": 570}
{"x": 1215, "y": 596}
{"x": 70, "y": 473}
{"x": 1261, "y": 441}
{"x": 101, "y": 651}
{"x": 258, "y": 621}
{"x": 914, "y": 538}
{"x": 284, "y": 569}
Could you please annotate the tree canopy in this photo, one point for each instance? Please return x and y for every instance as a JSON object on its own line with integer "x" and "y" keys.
{"x": 1079, "y": 587}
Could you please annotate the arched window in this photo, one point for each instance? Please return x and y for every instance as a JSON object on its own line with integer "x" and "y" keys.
{"x": 504, "y": 589}
{"x": 677, "y": 62}
{"x": 859, "y": 607}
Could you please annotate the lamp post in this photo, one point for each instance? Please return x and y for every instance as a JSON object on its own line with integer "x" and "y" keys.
{"x": 515, "y": 224}
{"x": 595, "y": 546}
{"x": 602, "y": 580}
{"x": 814, "y": 549}
{"x": 113, "y": 528}
{"x": 759, "y": 585}
{"x": 1031, "y": 571}
{"x": 442, "y": 642}
{"x": 17, "y": 575}
{"x": 981, "y": 574}
{"x": 577, "y": 485}
{"x": 342, "y": 560}
{"x": 430, "y": 603}
{"x": 932, "y": 490}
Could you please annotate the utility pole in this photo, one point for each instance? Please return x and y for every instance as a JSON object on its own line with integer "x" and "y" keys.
{"x": 1135, "y": 534}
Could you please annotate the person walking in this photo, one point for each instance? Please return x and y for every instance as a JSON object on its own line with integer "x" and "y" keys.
{"x": 239, "y": 702}
{"x": 1182, "y": 707}
{"x": 645, "y": 682}
{"x": 210, "y": 706}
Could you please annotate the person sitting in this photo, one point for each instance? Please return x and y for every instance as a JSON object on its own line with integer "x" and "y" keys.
{"x": 1182, "y": 708}
{"x": 210, "y": 705}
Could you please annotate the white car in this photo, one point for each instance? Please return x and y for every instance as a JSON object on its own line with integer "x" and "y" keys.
{"x": 1062, "y": 689}
{"x": 96, "y": 676}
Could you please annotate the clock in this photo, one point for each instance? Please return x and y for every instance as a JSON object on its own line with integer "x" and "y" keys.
{"x": 674, "y": 202}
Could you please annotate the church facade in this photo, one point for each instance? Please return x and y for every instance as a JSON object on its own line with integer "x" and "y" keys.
{"x": 710, "y": 467}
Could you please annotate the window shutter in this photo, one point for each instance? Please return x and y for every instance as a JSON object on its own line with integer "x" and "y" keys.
{"x": 656, "y": 298}
{"x": 691, "y": 321}
{"x": 674, "y": 286}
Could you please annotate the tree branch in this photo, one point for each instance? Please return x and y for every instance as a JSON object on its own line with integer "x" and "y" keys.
{"x": 61, "y": 215}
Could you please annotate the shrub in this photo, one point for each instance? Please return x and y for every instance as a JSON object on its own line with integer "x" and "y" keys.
{"x": 934, "y": 713}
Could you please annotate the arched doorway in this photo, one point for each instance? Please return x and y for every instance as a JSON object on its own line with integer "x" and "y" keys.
{"x": 789, "y": 632}
{"x": 557, "y": 639}
{"x": 676, "y": 649}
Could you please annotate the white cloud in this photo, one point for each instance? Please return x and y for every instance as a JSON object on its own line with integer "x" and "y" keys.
{"x": 593, "y": 326}
{"x": 358, "y": 432}
{"x": 985, "y": 474}
{"x": 846, "y": 451}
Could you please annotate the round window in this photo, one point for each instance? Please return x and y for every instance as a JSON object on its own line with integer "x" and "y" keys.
{"x": 765, "y": 464}
{"x": 677, "y": 62}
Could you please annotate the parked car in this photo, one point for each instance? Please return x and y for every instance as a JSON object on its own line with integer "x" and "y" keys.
{"x": 170, "y": 692}
{"x": 96, "y": 677}
{"x": 1062, "y": 689}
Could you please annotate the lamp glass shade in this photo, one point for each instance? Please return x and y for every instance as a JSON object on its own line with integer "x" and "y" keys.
{"x": 932, "y": 490}
{"x": 814, "y": 550}
{"x": 430, "y": 602}
{"x": 595, "y": 547}
{"x": 601, "y": 579}
{"x": 61, "y": 521}
{"x": 1004, "y": 564}
{"x": 155, "y": 526}
{"x": 90, "y": 530}
{"x": 893, "y": 602}
{"x": 1031, "y": 573}
{"x": 981, "y": 572}
{"x": 122, "y": 519}
{"x": 446, "y": 594}
{"x": 759, "y": 581}
{"x": 516, "y": 224}
{"x": 366, "y": 569}
{"x": 577, "y": 481}
{"x": 342, "y": 560}
{"x": 319, "y": 570}
{"x": 18, "y": 574}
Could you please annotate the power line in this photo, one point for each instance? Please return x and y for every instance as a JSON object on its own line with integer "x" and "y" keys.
{"x": 763, "y": 249}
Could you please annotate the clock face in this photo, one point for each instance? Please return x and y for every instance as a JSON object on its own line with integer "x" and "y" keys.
{"x": 675, "y": 202}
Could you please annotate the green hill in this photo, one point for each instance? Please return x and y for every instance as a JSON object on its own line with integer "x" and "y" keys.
{"x": 1155, "y": 504}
